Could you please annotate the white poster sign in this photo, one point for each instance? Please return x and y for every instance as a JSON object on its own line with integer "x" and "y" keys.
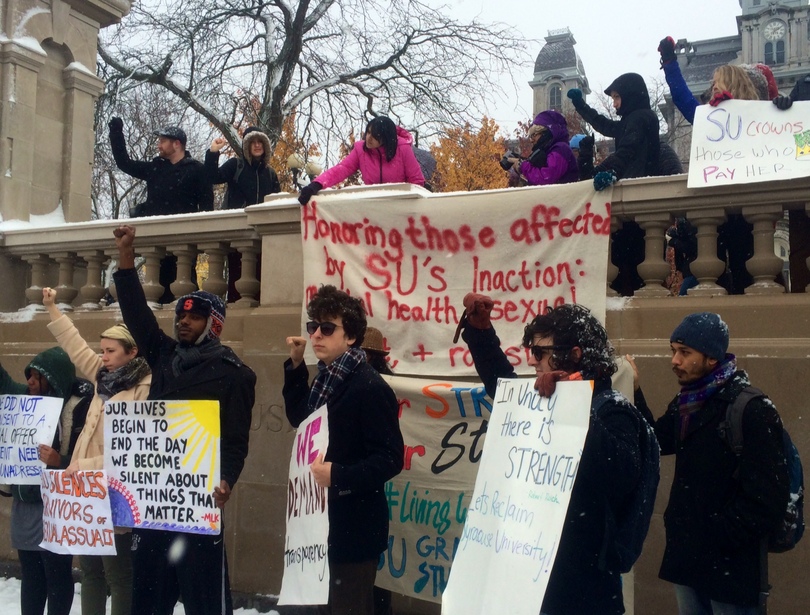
{"x": 76, "y": 517}
{"x": 163, "y": 462}
{"x": 26, "y": 421}
{"x": 515, "y": 517}
{"x": 412, "y": 261}
{"x": 306, "y": 562}
{"x": 744, "y": 141}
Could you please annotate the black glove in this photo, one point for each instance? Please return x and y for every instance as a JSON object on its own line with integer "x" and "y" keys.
{"x": 116, "y": 124}
{"x": 586, "y": 146}
{"x": 667, "y": 50}
{"x": 783, "y": 103}
{"x": 308, "y": 191}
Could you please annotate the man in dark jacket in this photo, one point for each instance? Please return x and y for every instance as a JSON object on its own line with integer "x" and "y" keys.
{"x": 365, "y": 443}
{"x": 46, "y": 576}
{"x": 193, "y": 365}
{"x": 566, "y": 342}
{"x": 635, "y": 134}
{"x": 721, "y": 506}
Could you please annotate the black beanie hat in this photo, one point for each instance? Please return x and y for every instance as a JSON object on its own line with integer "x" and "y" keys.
{"x": 705, "y": 332}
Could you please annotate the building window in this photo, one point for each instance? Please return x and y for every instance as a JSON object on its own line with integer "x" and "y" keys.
{"x": 756, "y": 2}
{"x": 769, "y": 54}
{"x": 555, "y": 97}
{"x": 780, "y": 52}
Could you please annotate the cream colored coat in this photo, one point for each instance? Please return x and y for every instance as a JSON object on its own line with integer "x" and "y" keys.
{"x": 89, "y": 450}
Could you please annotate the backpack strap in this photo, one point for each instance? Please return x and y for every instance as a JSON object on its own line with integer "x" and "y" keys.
{"x": 730, "y": 428}
{"x": 240, "y": 165}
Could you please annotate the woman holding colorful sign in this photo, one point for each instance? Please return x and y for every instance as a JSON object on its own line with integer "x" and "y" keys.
{"x": 119, "y": 374}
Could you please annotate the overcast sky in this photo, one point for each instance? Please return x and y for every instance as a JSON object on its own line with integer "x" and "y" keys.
{"x": 613, "y": 37}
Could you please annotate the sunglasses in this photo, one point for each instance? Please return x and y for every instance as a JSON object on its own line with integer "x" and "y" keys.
{"x": 327, "y": 328}
{"x": 538, "y": 352}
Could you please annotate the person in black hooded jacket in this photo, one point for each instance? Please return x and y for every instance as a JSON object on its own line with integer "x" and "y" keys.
{"x": 635, "y": 134}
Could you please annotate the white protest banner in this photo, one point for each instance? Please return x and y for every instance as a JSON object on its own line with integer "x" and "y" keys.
{"x": 306, "y": 564}
{"x": 515, "y": 518}
{"x": 411, "y": 262}
{"x": 162, "y": 458}
{"x": 745, "y": 141}
{"x": 76, "y": 516}
{"x": 26, "y": 421}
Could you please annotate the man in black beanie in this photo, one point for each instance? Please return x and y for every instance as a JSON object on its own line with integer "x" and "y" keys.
{"x": 723, "y": 503}
{"x": 192, "y": 365}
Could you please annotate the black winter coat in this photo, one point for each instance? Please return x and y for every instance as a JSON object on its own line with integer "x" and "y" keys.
{"x": 366, "y": 450}
{"x": 224, "y": 378}
{"x": 255, "y": 181}
{"x": 180, "y": 188}
{"x": 609, "y": 471}
{"x": 720, "y": 507}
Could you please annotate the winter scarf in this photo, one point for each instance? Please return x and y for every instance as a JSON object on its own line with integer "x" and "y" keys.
{"x": 187, "y": 356}
{"x": 109, "y": 383}
{"x": 330, "y": 376}
{"x": 694, "y": 395}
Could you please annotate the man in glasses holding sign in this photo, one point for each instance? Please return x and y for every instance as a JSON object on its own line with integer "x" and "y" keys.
{"x": 365, "y": 444}
{"x": 569, "y": 343}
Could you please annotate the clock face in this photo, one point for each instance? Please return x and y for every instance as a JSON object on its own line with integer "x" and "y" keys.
{"x": 774, "y": 30}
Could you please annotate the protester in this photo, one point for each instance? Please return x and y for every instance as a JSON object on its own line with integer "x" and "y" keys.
{"x": 721, "y": 506}
{"x": 117, "y": 374}
{"x": 683, "y": 241}
{"x": 375, "y": 351}
{"x": 635, "y": 134}
{"x": 551, "y": 161}
{"x": 194, "y": 365}
{"x": 384, "y": 156}
{"x": 365, "y": 443}
{"x": 175, "y": 184}
{"x": 567, "y": 342}
{"x": 45, "y": 576}
{"x": 800, "y": 91}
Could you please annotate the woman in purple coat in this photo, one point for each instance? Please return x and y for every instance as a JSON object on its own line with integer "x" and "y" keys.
{"x": 385, "y": 156}
{"x": 551, "y": 160}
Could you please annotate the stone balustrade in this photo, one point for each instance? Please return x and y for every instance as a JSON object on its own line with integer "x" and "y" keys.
{"x": 74, "y": 257}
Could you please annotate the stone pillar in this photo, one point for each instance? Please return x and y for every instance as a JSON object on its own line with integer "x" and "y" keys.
{"x": 707, "y": 267}
{"x": 112, "y": 256}
{"x": 186, "y": 260}
{"x": 248, "y": 284}
{"x": 19, "y": 67}
{"x": 764, "y": 265}
{"x": 93, "y": 291}
{"x": 151, "y": 285}
{"x": 216, "y": 252}
{"x": 655, "y": 268}
{"x": 81, "y": 90}
{"x": 39, "y": 271}
{"x": 65, "y": 291}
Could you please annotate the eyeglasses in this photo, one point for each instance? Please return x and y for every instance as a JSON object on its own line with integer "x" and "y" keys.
{"x": 327, "y": 328}
{"x": 538, "y": 352}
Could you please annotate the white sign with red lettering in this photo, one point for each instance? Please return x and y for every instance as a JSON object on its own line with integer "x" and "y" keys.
{"x": 411, "y": 261}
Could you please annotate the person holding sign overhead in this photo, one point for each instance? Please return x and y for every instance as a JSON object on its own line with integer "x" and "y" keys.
{"x": 46, "y": 576}
{"x": 568, "y": 343}
{"x": 365, "y": 443}
{"x": 194, "y": 365}
{"x": 118, "y": 373}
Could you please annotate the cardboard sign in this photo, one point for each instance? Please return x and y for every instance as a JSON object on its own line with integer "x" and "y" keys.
{"x": 26, "y": 421}
{"x": 163, "y": 461}
{"x": 743, "y": 141}
{"x": 306, "y": 562}
{"x": 76, "y": 516}
{"x": 522, "y": 491}
{"x": 411, "y": 262}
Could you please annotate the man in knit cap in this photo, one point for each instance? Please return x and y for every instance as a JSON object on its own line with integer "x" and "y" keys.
{"x": 191, "y": 365}
{"x": 722, "y": 503}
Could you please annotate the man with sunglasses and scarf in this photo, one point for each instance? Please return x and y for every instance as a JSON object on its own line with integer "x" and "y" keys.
{"x": 721, "y": 504}
{"x": 365, "y": 443}
{"x": 569, "y": 343}
{"x": 193, "y": 364}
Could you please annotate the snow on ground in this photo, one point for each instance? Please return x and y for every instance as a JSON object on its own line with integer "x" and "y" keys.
{"x": 10, "y": 601}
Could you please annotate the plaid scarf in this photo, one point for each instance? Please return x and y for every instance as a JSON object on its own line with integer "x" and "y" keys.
{"x": 108, "y": 383}
{"x": 694, "y": 395}
{"x": 330, "y": 376}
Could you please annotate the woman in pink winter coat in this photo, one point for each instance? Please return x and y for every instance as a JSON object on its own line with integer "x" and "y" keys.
{"x": 384, "y": 157}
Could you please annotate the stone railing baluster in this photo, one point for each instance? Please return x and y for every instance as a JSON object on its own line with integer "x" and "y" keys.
{"x": 764, "y": 265}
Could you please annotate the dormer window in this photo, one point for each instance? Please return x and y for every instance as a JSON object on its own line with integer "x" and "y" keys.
{"x": 555, "y": 97}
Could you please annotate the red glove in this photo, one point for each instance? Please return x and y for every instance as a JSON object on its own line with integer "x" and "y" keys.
{"x": 546, "y": 382}
{"x": 478, "y": 309}
{"x": 718, "y": 98}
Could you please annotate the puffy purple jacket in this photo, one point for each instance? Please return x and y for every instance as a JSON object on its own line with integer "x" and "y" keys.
{"x": 561, "y": 164}
{"x": 373, "y": 166}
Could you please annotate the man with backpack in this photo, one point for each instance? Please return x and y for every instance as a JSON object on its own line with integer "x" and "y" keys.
{"x": 724, "y": 503}
{"x": 606, "y": 522}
